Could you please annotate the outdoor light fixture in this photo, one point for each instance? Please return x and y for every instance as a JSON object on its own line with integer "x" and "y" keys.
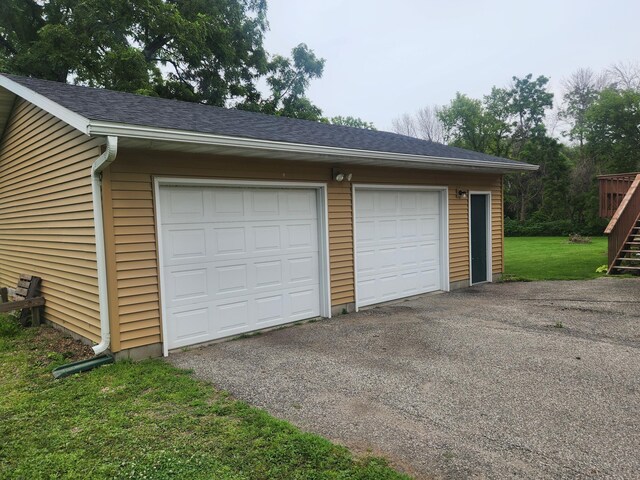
{"x": 462, "y": 194}
{"x": 340, "y": 177}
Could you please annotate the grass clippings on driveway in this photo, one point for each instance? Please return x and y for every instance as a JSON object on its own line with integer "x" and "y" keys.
{"x": 144, "y": 420}
{"x": 553, "y": 258}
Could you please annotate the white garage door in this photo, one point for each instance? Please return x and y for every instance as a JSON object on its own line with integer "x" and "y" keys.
{"x": 397, "y": 244}
{"x": 237, "y": 259}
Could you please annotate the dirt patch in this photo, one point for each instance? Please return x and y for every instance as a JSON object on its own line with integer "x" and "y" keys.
{"x": 53, "y": 344}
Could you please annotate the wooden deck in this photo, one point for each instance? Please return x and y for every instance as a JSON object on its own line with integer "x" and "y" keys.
{"x": 620, "y": 200}
{"x": 613, "y": 189}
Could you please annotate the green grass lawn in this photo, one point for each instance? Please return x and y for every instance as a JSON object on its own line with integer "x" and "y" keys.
{"x": 144, "y": 420}
{"x": 553, "y": 258}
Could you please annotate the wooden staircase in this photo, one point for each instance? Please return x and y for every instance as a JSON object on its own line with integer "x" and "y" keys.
{"x": 624, "y": 230}
{"x": 628, "y": 258}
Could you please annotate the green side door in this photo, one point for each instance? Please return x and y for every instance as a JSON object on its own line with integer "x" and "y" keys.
{"x": 479, "y": 229}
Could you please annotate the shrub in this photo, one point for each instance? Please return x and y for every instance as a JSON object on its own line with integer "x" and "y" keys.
{"x": 9, "y": 325}
{"x": 554, "y": 228}
{"x": 549, "y": 228}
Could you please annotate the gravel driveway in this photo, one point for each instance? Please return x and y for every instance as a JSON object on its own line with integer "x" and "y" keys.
{"x": 525, "y": 380}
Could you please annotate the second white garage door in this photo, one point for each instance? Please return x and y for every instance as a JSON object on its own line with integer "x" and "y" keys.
{"x": 237, "y": 259}
{"x": 398, "y": 243}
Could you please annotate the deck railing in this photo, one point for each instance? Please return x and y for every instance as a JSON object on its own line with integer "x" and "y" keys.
{"x": 623, "y": 220}
{"x": 613, "y": 188}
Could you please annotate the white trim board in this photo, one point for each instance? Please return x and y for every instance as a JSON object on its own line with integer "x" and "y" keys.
{"x": 323, "y": 233}
{"x": 75, "y": 120}
{"x": 444, "y": 227}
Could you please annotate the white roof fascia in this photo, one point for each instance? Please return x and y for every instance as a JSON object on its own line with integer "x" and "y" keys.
{"x": 170, "y": 135}
{"x": 75, "y": 120}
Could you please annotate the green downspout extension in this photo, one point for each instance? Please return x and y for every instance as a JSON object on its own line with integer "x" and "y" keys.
{"x": 82, "y": 366}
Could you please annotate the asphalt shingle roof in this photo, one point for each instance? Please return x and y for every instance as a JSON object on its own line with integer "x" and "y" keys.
{"x": 111, "y": 106}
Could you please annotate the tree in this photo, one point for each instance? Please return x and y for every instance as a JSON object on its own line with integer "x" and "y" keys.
{"x": 466, "y": 123}
{"x": 351, "y": 122}
{"x": 509, "y": 122}
{"x": 429, "y": 125}
{"x": 528, "y": 101}
{"x": 288, "y": 80}
{"x": 207, "y": 51}
{"x": 581, "y": 89}
{"x": 425, "y": 124}
{"x": 624, "y": 76}
{"x": 405, "y": 125}
{"x": 613, "y": 135}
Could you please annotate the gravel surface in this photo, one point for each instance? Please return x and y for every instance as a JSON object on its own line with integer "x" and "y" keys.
{"x": 517, "y": 380}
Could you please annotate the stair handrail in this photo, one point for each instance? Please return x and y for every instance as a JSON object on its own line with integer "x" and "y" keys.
{"x": 623, "y": 221}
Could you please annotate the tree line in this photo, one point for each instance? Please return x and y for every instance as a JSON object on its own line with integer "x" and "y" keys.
{"x": 205, "y": 51}
{"x": 212, "y": 52}
{"x": 594, "y": 129}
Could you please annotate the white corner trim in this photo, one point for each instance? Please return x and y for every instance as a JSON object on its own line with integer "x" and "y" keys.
{"x": 355, "y": 253}
{"x": 75, "y": 120}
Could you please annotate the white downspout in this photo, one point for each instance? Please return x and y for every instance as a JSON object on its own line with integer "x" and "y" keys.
{"x": 102, "y": 162}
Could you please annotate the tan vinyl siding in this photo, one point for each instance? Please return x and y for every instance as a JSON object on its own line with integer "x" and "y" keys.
{"x": 340, "y": 242}
{"x": 46, "y": 215}
{"x": 133, "y": 263}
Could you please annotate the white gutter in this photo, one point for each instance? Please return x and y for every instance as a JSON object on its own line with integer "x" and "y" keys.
{"x": 102, "y": 162}
{"x": 172, "y": 135}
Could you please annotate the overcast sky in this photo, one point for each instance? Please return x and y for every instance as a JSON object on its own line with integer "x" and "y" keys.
{"x": 384, "y": 58}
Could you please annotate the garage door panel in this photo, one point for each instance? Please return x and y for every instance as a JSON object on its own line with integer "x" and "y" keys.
{"x": 303, "y": 270}
{"x": 397, "y": 244}
{"x": 269, "y": 273}
{"x": 430, "y": 228}
{"x": 227, "y": 203}
{"x": 229, "y": 279}
{"x": 237, "y": 315}
{"x": 386, "y": 202}
{"x": 204, "y": 205}
{"x": 232, "y": 315}
{"x": 248, "y": 257}
{"x": 428, "y": 254}
{"x": 191, "y": 243}
{"x": 301, "y": 202}
{"x": 188, "y": 285}
{"x": 183, "y": 244}
{"x": 408, "y": 202}
{"x": 302, "y": 303}
{"x": 183, "y": 205}
{"x": 409, "y": 255}
{"x": 386, "y": 230}
{"x": 190, "y": 326}
{"x": 365, "y": 231}
{"x": 270, "y": 309}
{"x": 266, "y": 238}
{"x": 265, "y": 202}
